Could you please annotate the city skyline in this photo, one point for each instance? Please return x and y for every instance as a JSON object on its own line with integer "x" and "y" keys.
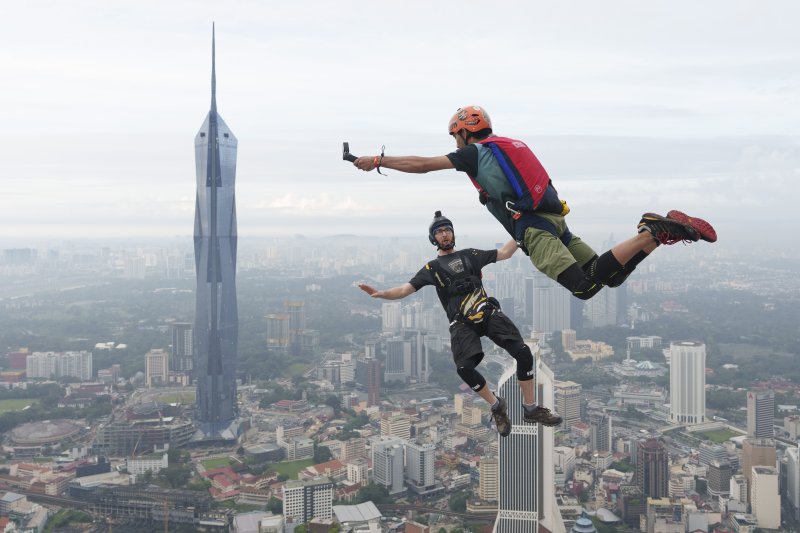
{"x": 651, "y": 110}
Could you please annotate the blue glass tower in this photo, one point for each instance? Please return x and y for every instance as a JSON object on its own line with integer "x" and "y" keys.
{"x": 216, "y": 326}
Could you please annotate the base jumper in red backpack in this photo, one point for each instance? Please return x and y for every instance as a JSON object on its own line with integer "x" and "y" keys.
{"x": 518, "y": 192}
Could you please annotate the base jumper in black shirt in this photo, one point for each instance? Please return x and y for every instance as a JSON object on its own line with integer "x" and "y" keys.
{"x": 456, "y": 275}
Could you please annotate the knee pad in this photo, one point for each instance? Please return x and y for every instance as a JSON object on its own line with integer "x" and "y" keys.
{"x": 471, "y": 377}
{"x": 578, "y": 282}
{"x": 524, "y": 359}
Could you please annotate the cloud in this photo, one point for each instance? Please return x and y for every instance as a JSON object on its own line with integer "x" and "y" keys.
{"x": 323, "y": 204}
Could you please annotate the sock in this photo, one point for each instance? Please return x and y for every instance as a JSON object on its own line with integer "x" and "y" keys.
{"x": 496, "y": 403}
{"x": 528, "y": 407}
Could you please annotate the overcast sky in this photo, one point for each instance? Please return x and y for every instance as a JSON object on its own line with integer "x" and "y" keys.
{"x": 631, "y": 106}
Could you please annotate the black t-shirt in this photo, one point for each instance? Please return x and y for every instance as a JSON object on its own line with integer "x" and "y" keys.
{"x": 465, "y": 159}
{"x": 455, "y": 267}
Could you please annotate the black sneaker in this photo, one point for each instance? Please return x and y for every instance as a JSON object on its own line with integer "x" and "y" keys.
{"x": 541, "y": 415}
{"x": 667, "y": 231}
{"x": 500, "y": 417}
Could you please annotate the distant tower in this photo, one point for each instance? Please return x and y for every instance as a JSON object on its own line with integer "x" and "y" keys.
{"x": 216, "y": 329}
{"x": 601, "y": 427}
{"x": 156, "y": 367}
{"x": 760, "y": 413}
{"x": 652, "y": 469}
{"x": 526, "y": 470}
{"x": 687, "y": 383}
{"x": 182, "y": 359}
{"x": 756, "y": 452}
{"x": 551, "y": 310}
{"x": 568, "y": 402}
{"x": 766, "y": 501}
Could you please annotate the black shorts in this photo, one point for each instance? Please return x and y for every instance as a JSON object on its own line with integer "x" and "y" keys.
{"x": 465, "y": 338}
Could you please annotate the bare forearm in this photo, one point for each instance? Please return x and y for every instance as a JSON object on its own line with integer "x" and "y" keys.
{"x": 395, "y": 293}
{"x": 406, "y": 163}
{"x": 507, "y": 250}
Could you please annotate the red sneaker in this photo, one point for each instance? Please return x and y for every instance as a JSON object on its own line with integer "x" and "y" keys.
{"x": 703, "y": 228}
{"x": 667, "y": 231}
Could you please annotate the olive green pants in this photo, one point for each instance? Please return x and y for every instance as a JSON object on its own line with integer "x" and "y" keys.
{"x": 548, "y": 254}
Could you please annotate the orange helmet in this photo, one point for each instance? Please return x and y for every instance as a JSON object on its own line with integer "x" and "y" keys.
{"x": 471, "y": 118}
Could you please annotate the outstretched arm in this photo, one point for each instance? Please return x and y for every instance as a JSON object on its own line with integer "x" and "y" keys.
{"x": 507, "y": 250}
{"x": 406, "y": 163}
{"x": 394, "y": 293}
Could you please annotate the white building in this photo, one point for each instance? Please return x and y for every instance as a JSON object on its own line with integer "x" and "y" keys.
{"x": 764, "y": 498}
{"x": 304, "y": 500}
{"x": 564, "y": 463}
{"x": 387, "y": 463}
{"x": 357, "y": 470}
{"x": 419, "y": 465}
{"x": 793, "y": 479}
{"x": 487, "y": 489}
{"x": 760, "y": 413}
{"x": 551, "y": 307}
{"x": 156, "y": 363}
{"x": 140, "y": 465}
{"x": 54, "y": 365}
{"x": 526, "y": 473}
{"x": 687, "y": 383}
{"x": 392, "y": 313}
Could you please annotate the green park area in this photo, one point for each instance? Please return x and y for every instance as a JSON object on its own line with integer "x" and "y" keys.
{"x": 296, "y": 369}
{"x": 718, "y": 436}
{"x": 291, "y": 468}
{"x": 11, "y": 405}
{"x": 217, "y": 462}
{"x": 185, "y": 398}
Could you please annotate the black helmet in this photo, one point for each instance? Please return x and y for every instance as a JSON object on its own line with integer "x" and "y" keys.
{"x": 439, "y": 221}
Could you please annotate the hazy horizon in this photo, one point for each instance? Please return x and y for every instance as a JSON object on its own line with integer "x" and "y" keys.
{"x": 649, "y": 108}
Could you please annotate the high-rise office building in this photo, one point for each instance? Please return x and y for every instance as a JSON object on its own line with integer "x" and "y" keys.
{"x": 392, "y": 314}
{"x": 487, "y": 471}
{"x": 156, "y": 367}
{"x": 793, "y": 480}
{"x": 216, "y": 326}
{"x": 765, "y": 500}
{"x": 756, "y": 452}
{"x": 277, "y": 332}
{"x": 182, "y": 359}
{"x": 568, "y": 402}
{"x": 387, "y": 463}
{"x": 601, "y": 309}
{"x": 709, "y": 452}
{"x": 600, "y": 427}
{"x": 419, "y": 466}
{"x": 652, "y": 469}
{"x": 551, "y": 305}
{"x": 396, "y": 424}
{"x": 760, "y": 413}
{"x": 54, "y": 365}
{"x": 398, "y": 360}
{"x": 719, "y": 479}
{"x": 296, "y": 310}
{"x": 526, "y": 471}
{"x": 569, "y": 339}
{"x": 687, "y": 383}
{"x": 304, "y": 500}
{"x": 368, "y": 376}
{"x": 738, "y": 488}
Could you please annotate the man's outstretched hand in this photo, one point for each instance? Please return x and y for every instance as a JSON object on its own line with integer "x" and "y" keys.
{"x": 372, "y": 291}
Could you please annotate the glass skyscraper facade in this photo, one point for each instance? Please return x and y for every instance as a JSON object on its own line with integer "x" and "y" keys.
{"x": 216, "y": 326}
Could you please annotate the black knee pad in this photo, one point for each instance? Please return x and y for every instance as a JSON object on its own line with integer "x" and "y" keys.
{"x": 576, "y": 281}
{"x": 471, "y": 377}
{"x": 524, "y": 359}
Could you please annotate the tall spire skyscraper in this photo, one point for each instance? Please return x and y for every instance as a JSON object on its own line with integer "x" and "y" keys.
{"x": 216, "y": 326}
